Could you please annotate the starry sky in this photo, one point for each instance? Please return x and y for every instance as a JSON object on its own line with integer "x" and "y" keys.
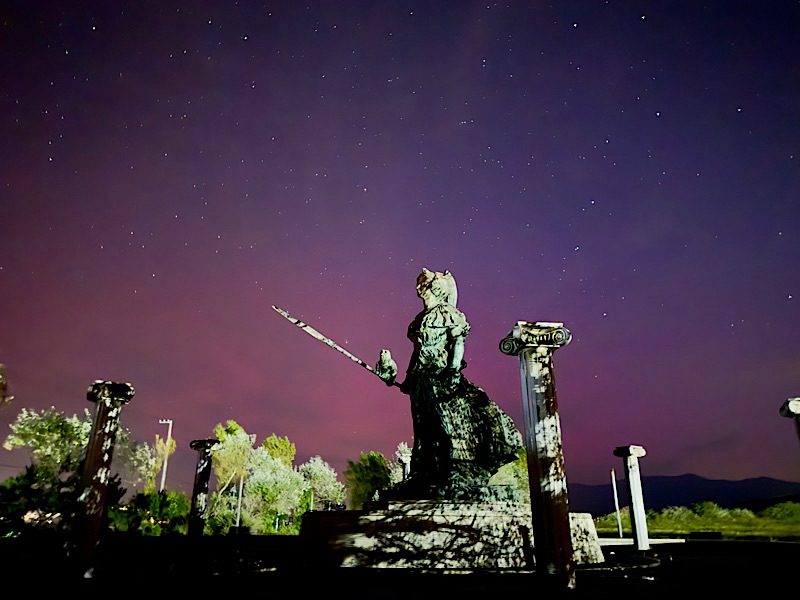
{"x": 171, "y": 170}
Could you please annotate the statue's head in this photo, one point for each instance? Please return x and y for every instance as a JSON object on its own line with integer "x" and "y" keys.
{"x": 437, "y": 287}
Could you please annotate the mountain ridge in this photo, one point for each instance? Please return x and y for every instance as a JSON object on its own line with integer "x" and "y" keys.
{"x": 661, "y": 491}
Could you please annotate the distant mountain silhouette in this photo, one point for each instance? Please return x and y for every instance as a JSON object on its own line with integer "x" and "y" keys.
{"x": 684, "y": 490}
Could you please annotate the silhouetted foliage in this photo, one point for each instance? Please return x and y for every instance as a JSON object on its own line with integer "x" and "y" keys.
{"x": 152, "y": 514}
{"x": 31, "y": 501}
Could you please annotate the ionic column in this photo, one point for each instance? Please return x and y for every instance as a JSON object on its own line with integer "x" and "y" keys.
{"x": 109, "y": 397}
{"x": 791, "y": 409}
{"x": 631, "y": 454}
{"x": 535, "y": 343}
{"x": 202, "y": 475}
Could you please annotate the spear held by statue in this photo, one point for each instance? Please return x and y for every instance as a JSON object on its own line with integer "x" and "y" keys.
{"x": 385, "y": 368}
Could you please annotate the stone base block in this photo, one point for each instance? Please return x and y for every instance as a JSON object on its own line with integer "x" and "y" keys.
{"x": 439, "y": 536}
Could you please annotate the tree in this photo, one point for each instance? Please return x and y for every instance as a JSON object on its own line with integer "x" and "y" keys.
{"x": 327, "y": 492}
{"x": 46, "y": 493}
{"x": 280, "y": 448}
{"x": 137, "y": 460}
{"x": 57, "y": 444}
{"x": 258, "y": 488}
{"x": 162, "y": 450}
{"x": 231, "y": 454}
{"x": 273, "y": 494}
{"x": 230, "y": 459}
{"x": 366, "y": 478}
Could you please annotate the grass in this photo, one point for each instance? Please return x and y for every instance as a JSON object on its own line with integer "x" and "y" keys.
{"x": 778, "y": 522}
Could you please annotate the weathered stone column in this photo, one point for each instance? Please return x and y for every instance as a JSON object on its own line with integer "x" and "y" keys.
{"x": 631, "y": 454}
{"x": 109, "y": 397}
{"x": 202, "y": 475}
{"x": 535, "y": 343}
{"x": 791, "y": 410}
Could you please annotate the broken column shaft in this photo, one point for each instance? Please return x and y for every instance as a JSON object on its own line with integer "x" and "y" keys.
{"x": 535, "y": 343}
{"x": 95, "y": 476}
{"x": 631, "y": 454}
{"x": 202, "y": 475}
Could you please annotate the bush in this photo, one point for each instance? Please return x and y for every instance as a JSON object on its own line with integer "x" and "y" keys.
{"x": 785, "y": 511}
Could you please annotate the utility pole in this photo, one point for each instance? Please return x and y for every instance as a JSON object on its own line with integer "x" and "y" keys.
{"x": 167, "y": 422}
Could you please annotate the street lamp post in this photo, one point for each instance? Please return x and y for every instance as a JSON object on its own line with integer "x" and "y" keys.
{"x": 167, "y": 422}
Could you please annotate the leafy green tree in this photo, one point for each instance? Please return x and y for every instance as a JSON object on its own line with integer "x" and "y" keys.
{"x": 258, "y": 488}
{"x": 137, "y": 460}
{"x": 280, "y": 448}
{"x": 46, "y": 493}
{"x": 230, "y": 461}
{"x": 57, "y": 444}
{"x": 365, "y": 479}
{"x": 785, "y": 511}
{"x": 230, "y": 456}
{"x": 273, "y": 494}
{"x": 161, "y": 451}
{"x": 327, "y": 492}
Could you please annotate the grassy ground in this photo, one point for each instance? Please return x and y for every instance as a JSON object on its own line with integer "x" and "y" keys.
{"x": 711, "y": 521}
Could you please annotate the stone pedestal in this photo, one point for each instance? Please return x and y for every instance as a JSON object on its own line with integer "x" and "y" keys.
{"x": 431, "y": 535}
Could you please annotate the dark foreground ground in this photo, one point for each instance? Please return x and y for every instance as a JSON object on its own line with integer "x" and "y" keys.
{"x": 131, "y": 566}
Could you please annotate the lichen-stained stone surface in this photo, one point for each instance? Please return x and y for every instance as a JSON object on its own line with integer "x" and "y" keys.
{"x": 432, "y": 535}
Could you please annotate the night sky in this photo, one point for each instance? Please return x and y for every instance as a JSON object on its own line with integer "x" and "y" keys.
{"x": 171, "y": 170}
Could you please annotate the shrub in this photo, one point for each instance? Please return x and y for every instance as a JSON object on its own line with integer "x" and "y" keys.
{"x": 785, "y": 511}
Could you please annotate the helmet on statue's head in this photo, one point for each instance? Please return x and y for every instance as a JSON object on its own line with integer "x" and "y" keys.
{"x": 440, "y": 284}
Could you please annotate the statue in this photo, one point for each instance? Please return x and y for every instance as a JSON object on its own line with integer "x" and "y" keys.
{"x": 461, "y": 437}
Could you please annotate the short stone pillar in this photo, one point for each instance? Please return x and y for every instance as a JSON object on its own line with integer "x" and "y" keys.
{"x": 791, "y": 410}
{"x": 109, "y": 397}
{"x": 202, "y": 476}
{"x": 535, "y": 343}
{"x": 405, "y": 464}
{"x": 631, "y": 454}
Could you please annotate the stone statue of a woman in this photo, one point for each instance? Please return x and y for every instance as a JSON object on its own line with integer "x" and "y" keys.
{"x": 461, "y": 437}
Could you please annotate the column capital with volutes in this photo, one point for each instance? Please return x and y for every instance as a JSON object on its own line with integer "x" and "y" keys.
{"x": 540, "y": 334}
{"x": 110, "y": 392}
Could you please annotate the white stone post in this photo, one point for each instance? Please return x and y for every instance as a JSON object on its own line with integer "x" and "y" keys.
{"x": 791, "y": 410}
{"x": 631, "y": 454}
